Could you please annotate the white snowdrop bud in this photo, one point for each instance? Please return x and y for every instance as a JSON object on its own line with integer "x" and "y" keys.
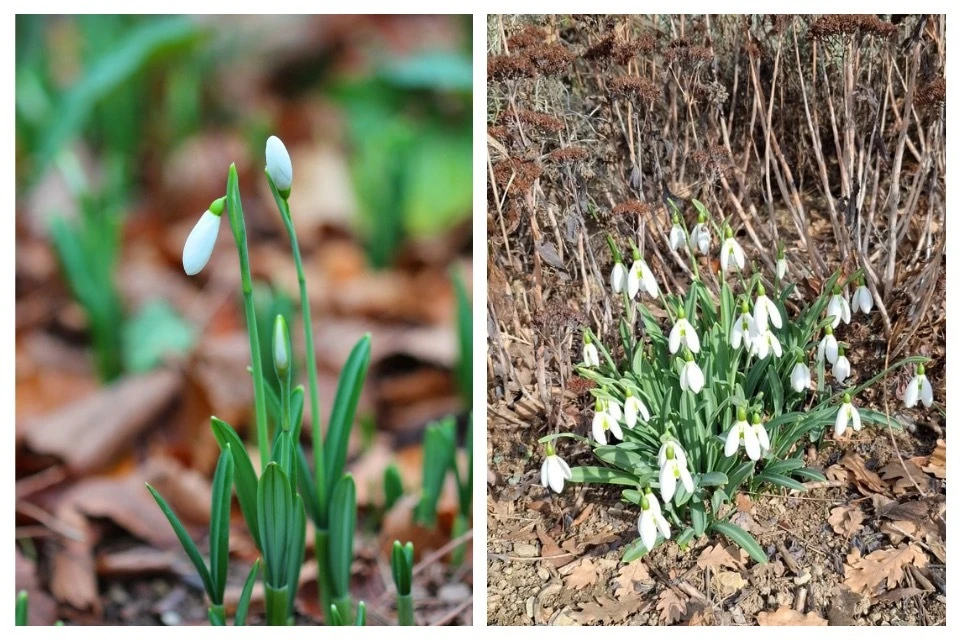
{"x": 199, "y": 245}
{"x": 278, "y": 165}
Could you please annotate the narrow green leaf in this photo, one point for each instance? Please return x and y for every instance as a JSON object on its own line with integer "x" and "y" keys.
{"x": 307, "y": 488}
{"x": 245, "y": 478}
{"x": 352, "y": 375}
{"x": 296, "y": 544}
{"x": 220, "y": 524}
{"x": 275, "y": 511}
{"x": 743, "y": 539}
{"x": 392, "y": 486}
{"x": 713, "y": 479}
{"x": 343, "y": 519}
{"x": 634, "y": 551}
{"x": 603, "y": 475}
{"x": 243, "y": 605}
{"x": 185, "y": 541}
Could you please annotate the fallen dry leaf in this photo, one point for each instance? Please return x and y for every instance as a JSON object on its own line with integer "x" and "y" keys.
{"x": 865, "y": 574}
{"x": 846, "y": 520}
{"x": 728, "y": 582}
{"x": 730, "y": 556}
{"x": 789, "y": 617}
{"x": 551, "y": 551}
{"x": 672, "y": 607}
{"x": 89, "y": 433}
{"x": 936, "y": 463}
{"x": 630, "y": 574}
{"x": 581, "y": 575}
{"x": 905, "y": 477}
{"x": 607, "y": 610}
{"x": 867, "y": 481}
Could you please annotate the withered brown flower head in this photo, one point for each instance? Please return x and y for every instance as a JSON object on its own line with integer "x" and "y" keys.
{"x": 510, "y": 67}
{"x": 568, "y": 154}
{"x": 549, "y": 59}
{"x": 634, "y": 88}
{"x": 527, "y": 37}
{"x": 631, "y": 207}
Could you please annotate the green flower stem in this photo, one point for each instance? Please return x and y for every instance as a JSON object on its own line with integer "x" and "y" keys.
{"x": 217, "y": 615}
{"x": 235, "y": 214}
{"x": 315, "y": 429}
{"x": 277, "y": 603}
{"x": 322, "y": 553}
{"x": 405, "y": 611}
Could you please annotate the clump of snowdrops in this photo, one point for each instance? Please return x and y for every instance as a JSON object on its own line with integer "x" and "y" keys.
{"x": 723, "y": 395}
{"x": 290, "y": 488}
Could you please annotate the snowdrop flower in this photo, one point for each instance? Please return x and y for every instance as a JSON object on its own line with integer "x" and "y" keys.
{"x": 199, "y": 245}
{"x": 701, "y": 235}
{"x": 744, "y": 329}
{"x": 841, "y": 368}
{"x": 838, "y": 307}
{"x": 781, "y": 262}
{"x": 554, "y": 470}
{"x": 691, "y": 377}
{"x": 618, "y": 278}
{"x": 731, "y": 253}
{"x": 764, "y": 311}
{"x": 651, "y": 519}
{"x": 828, "y": 347}
{"x": 753, "y": 436}
{"x": 613, "y": 408}
{"x": 683, "y": 333}
{"x": 678, "y": 236}
{"x": 641, "y": 277}
{"x": 862, "y": 299}
{"x": 591, "y": 357}
{"x": 845, "y": 415}
{"x": 919, "y": 388}
{"x": 764, "y": 344}
{"x": 800, "y": 376}
{"x": 279, "y": 166}
{"x": 673, "y": 466}
{"x": 603, "y": 422}
{"x": 633, "y": 407}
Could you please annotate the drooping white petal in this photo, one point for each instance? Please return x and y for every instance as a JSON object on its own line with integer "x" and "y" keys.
{"x": 663, "y": 525}
{"x": 781, "y": 268}
{"x": 648, "y": 530}
{"x": 618, "y": 277}
{"x": 630, "y": 411}
{"x": 643, "y": 410}
{"x": 926, "y": 392}
{"x": 800, "y": 377}
{"x": 675, "y": 337}
{"x": 762, "y": 437}
{"x": 841, "y": 370}
{"x": 693, "y": 340}
{"x": 633, "y": 279}
{"x": 591, "y": 357}
{"x": 685, "y": 477}
{"x": 702, "y": 238}
{"x": 199, "y": 245}
{"x": 912, "y": 392}
{"x": 844, "y": 310}
{"x": 733, "y": 440}
{"x": 828, "y": 348}
{"x": 555, "y": 473}
{"x": 668, "y": 481}
{"x": 677, "y": 237}
{"x": 855, "y": 416}
{"x": 866, "y": 300}
{"x": 565, "y": 468}
{"x": 613, "y": 408}
{"x": 694, "y": 377}
{"x": 774, "y": 344}
{"x": 616, "y": 430}
{"x": 544, "y": 478}
{"x": 648, "y": 281}
{"x": 751, "y": 443}
{"x": 599, "y": 422}
{"x": 843, "y": 417}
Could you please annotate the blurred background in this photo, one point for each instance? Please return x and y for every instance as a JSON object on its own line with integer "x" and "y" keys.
{"x": 125, "y": 128}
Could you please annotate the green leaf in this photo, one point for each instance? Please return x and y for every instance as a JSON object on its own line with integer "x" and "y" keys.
{"x": 352, "y": 375}
{"x": 685, "y": 537}
{"x": 602, "y": 475}
{"x": 743, "y": 539}
{"x": 718, "y": 499}
{"x": 243, "y": 605}
{"x": 439, "y": 449}
{"x": 305, "y": 483}
{"x": 713, "y": 479}
{"x": 622, "y": 458}
{"x": 435, "y": 70}
{"x": 296, "y": 545}
{"x": 811, "y": 474}
{"x": 698, "y": 517}
{"x": 245, "y": 478}
{"x": 392, "y": 486}
{"x": 220, "y": 524}
{"x": 156, "y": 332}
{"x": 185, "y": 541}
{"x": 780, "y": 480}
{"x": 343, "y": 519}
{"x": 275, "y": 510}
{"x": 634, "y": 551}
{"x": 464, "y": 368}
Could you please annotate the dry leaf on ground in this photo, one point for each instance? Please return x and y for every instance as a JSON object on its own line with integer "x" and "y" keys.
{"x": 581, "y": 575}
{"x": 865, "y": 574}
{"x": 936, "y": 463}
{"x": 607, "y": 610}
{"x": 672, "y": 607}
{"x": 629, "y": 575}
{"x": 867, "y": 481}
{"x": 846, "y": 520}
{"x": 788, "y": 617}
{"x": 719, "y": 555}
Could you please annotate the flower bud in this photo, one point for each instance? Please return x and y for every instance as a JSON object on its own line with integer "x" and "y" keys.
{"x": 199, "y": 245}
{"x": 281, "y": 349}
{"x": 279, "y": 166}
